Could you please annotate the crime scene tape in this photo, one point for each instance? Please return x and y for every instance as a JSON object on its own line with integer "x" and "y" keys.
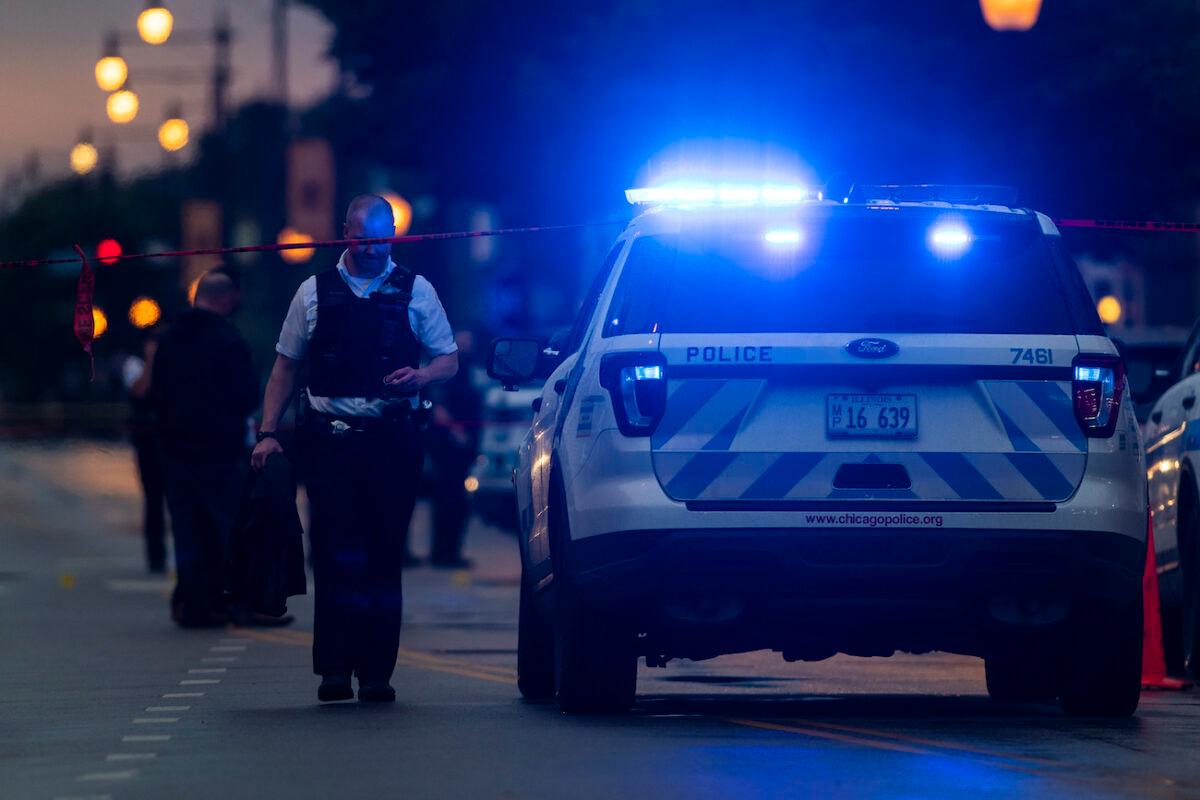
{"x": 276, "y": 247}
{"x": 83, "y": 324}
{"x": 1130, "y": 225}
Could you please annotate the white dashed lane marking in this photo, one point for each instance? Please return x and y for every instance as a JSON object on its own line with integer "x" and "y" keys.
{"x": 154, "y": 720}
{"x": 171, "y": 695}
{"x": 228, "y": 649}
{"x": 219, "y": 660}
{"x": 86, "y": 797}
{"x": 122, "y": 775}
{"x": 206, "y": 670}
{"x": 146, "y": 737}
{"x": 200, "y": 682}
{"x": 130, "y": 756}
{"x": 161, "y": 709}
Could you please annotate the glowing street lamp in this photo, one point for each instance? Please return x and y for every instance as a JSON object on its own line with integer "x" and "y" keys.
{"x": 293, "y": 236}
{"x": 401, "y": 211}
{"x": 1010, "y": 15}
{"x": 154, "y": 24}
{"x": 122, "y": 106}
{"x": 99, "y": 322}
{"x": 84, "y": 158}
{"x": 144, "y": 312}
{"x": 1109, "y": 309}
{"x": 173, "y": 134}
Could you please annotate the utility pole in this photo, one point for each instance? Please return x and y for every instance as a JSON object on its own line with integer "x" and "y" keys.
{"x": 222, "y": 36}
{"x": 279, "y": 50}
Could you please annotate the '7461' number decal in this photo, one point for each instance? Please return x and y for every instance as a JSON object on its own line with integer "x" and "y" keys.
{"x": 1032, "y": 355}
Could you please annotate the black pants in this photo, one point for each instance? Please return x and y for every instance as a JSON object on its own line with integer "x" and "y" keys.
{"x": 361, "y": 491}
{"x": 150, "y": 472}
{"x": 203, "y": 498}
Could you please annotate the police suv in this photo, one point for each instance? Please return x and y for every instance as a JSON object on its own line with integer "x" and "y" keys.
{"x": 781, "y": 422}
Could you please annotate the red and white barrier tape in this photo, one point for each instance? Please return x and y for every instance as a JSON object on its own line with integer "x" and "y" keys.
{"x": 84, "y": 327}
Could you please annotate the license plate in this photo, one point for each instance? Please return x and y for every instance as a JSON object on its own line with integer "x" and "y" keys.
{"x": 871, "y": 416}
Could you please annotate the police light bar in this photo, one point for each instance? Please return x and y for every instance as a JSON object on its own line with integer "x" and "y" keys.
{"x": 721, "y": 194}
{"x": 962, "y": 194}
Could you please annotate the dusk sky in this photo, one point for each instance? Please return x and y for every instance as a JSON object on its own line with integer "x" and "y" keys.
{"x": 48, "y": 94}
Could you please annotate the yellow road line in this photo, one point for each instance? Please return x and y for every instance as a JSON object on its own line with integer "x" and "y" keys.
{"x": 836, "y": 737}
{"x": 966, "y": 748}
{"x": 405, "y": 657}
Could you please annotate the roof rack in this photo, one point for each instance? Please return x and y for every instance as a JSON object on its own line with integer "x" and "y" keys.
{"x": 965, "y": 194}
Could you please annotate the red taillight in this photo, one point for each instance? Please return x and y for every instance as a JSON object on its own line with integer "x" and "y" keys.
{"x": 637, "y": 384}
{"x": 1099, "y": 382}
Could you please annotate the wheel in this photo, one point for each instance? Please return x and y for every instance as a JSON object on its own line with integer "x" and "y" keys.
{"x": 1015, "y": 677}
{"x": 1187, "y": 527}
{"x": 535, "y": 649}
{"x": 595, "y": 661}
{"x": 1100, "y": 669}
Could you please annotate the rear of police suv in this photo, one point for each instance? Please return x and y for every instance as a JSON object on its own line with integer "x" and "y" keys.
{"x": 861, "y": 428}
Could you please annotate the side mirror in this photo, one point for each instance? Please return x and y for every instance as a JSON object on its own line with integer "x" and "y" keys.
{"x": 513, "y": 361}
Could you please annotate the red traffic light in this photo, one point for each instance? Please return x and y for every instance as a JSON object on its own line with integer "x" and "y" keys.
{"x": 108, "y": 250}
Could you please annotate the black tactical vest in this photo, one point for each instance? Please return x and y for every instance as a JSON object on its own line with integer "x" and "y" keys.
{"x": 358, "y": 340}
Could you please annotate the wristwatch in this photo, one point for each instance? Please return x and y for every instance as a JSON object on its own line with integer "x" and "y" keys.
{"x": 258, "y": 437}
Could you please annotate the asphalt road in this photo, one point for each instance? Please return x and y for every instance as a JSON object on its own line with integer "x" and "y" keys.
{"x": 101, "y": 697}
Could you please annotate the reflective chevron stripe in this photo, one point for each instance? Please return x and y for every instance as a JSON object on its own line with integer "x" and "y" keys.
{"x": 697, "y": 456}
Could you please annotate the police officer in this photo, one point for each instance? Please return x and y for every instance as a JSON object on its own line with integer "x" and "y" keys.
{"x": 364, "y": 328}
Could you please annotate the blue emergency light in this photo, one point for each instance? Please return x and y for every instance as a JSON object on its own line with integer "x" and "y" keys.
{"x": 721, "y": 194}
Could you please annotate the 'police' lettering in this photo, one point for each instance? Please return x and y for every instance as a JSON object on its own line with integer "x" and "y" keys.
{"x": 729, "y": 355}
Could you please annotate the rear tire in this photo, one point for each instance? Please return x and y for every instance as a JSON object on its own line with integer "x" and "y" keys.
{"x": 595, "y": 660}
{"x": 535, "y": 649}
{"x": 1016, "y": 678}
{"x": 1101, "y": 665}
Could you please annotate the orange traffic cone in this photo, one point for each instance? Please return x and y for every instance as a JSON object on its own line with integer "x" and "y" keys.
{"x": 1154, "y": 662}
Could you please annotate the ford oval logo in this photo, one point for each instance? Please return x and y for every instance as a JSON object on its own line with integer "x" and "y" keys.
{"x": 872, "y": 348}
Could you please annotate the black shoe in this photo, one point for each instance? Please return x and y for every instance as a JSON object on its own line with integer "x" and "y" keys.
{"x": 455, "y": 562}
{"x": 376, "y": 692}
{"x": 335, "y": 687}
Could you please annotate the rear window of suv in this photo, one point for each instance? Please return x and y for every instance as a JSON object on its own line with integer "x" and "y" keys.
{"x": 871, "y": 273}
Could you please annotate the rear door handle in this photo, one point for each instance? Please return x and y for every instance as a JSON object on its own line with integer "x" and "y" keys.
{"x": 560, "y": 386}
{"x": 1189, "y": 401}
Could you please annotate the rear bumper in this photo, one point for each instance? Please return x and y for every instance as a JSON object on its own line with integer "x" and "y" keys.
{"x": 700, "y": 593}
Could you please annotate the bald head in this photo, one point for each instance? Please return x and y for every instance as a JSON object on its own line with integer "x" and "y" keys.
{"x": 369, "y": 216}
{"x": 367, "y": 207}
{"x": 218, "y": 293}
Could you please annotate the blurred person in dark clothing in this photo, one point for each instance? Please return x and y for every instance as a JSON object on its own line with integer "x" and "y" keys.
{"x": 452, "y": 442}
{"x": 203, "y": 386}
{"x": 144, "y": 437}
{"x": 373, "y": 335}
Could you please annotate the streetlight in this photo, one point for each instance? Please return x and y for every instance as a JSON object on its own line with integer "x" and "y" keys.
{"x": 99, "y": 322}
{"x": 154, "y": 24}
{"x": 111, "y": 69}
{"x": 144, "y": 312}
{"x": 122, "y": 106}
{"x": 1010, "y": 15}
{"x": 84, "y": 157}
{"x": 1109, "y": 309}
{"x": 173, "y": 133}
{"x": 292, "y": 236}
{"x": 401, "y": 211}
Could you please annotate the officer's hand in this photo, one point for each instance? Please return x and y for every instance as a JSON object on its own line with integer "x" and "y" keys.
{"x": 263, "y": 449}
{"x": 406, "y": 379}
